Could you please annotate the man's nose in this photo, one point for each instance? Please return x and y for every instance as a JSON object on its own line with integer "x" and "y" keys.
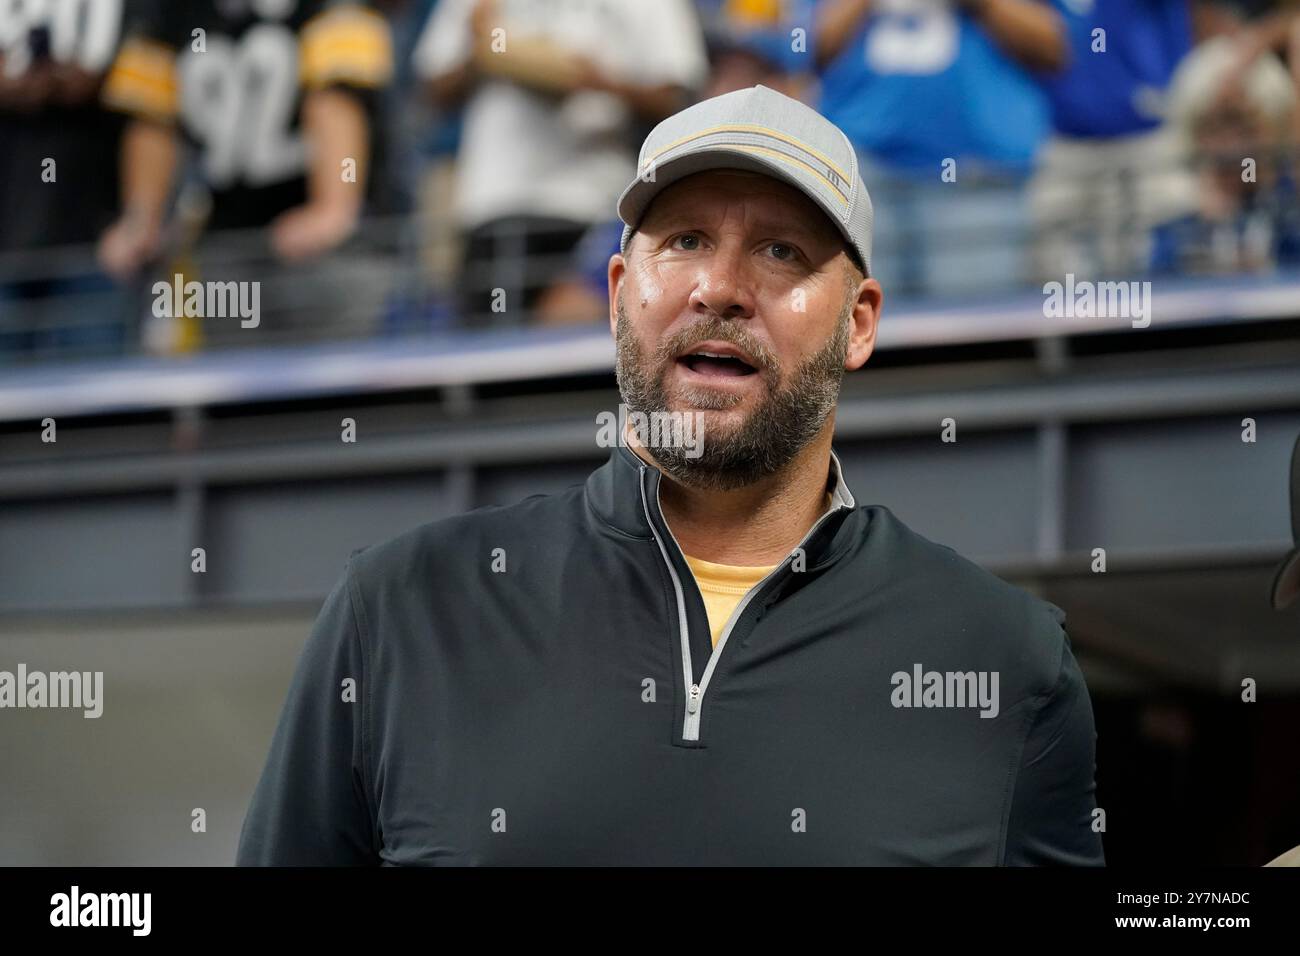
{"x": 723, "y": 285}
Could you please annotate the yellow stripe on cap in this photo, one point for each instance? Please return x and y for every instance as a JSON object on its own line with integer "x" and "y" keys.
{"x": 751, "y": 128}
{"x": 744, "y": 147}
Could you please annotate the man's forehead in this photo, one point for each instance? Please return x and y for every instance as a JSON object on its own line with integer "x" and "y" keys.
{"x": 768, "y": 202}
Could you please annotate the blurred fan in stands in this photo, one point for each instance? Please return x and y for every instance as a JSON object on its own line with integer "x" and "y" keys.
{"x": 58, "y": 174}
{"x": 1236, "y": 115}
{"x": 1112, "y": 170}
{"x": 941, "y": 98}
{"x": 557, "y": 94}
{"x": 274, "y": 99}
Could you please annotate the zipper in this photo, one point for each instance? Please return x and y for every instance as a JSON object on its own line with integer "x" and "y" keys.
{"x": 695, "y": 692}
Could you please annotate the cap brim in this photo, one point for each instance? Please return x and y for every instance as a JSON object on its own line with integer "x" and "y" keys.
{"x": 1286, "y": 583}
{"x": 637, "y": 197}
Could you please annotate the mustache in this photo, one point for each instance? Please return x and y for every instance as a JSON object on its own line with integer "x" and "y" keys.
{"x": 718, "y": 330}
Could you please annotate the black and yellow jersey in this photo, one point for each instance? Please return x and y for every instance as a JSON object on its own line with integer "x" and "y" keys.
{"x": 75, "y": 198}
{"x": 232, "y": 75}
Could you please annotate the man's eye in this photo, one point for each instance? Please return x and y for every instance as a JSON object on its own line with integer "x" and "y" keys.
{"x": 689, "y": 241}
{"x": 781, "y": 250}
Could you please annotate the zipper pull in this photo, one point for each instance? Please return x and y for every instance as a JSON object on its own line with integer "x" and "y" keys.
{"x": 693, "y": 701}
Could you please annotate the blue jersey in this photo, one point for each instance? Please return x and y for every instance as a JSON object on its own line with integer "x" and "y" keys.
{"x": 920, "y": 82}
{"x": 1119, "y": 90}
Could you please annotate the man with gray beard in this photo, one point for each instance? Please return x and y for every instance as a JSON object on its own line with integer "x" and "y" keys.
{"x": 691, "y": 658}
{"x": 788, "y": 418}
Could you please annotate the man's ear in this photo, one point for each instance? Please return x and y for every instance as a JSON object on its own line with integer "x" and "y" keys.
{"x": 864, "y": 316}
{"x": 616, "y": 271}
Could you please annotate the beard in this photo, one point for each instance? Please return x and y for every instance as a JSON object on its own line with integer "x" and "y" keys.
{"x": 785, "y": 421}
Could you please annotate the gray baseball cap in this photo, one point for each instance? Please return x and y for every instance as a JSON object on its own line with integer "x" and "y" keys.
{"x": 763, "y": 131}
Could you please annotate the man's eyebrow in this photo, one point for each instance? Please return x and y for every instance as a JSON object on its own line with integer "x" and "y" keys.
{"x": 793, "y": 225}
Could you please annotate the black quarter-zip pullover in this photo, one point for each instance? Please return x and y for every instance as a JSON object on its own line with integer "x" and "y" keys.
{"x": 537, "y": 684}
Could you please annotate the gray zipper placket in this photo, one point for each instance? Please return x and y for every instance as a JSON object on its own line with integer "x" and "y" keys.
{"x": 695, "y": 692}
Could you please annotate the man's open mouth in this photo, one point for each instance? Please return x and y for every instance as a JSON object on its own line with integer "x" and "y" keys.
{"x": 715, "y": 363}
